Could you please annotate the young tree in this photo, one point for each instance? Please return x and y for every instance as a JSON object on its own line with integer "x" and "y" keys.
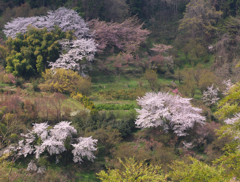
{"x": 172, "y": 112}
{"x": 133, "y": 172}
{"x": 152, "y": 79}
{"x": 64, "y": 18}
{"x": 159, "y": 59}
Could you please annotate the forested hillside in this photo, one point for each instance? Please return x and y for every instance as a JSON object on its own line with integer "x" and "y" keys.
{"x": 119, "y": 90}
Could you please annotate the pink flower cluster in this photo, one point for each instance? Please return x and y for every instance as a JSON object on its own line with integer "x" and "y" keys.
{"x": 176, "y": 92}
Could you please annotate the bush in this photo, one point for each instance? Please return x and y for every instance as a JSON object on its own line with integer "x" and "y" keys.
{"x": 86, "y": 102}
{"x": 132, "y": 170}
{"x": 152, "y": 78}
{"x": 107, "y": 139}
{"x": 35, "y": 85}
{"x": 65, "y": 81}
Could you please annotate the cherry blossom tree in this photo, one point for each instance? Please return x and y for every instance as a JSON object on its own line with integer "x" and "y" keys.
{"x": 126, "y": 36}
{"x": 79, "y": 55}
{"x": 172, "y": 112}
{"x": 228, "y": 84}
{"x": 210, "y": 96}
{"x": 64, "y": 18}
{"x": 159, "y": 59}
{"x": 53, "y": 141}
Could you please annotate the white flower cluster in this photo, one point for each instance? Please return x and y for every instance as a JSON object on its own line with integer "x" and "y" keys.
{"x": 228, "y": 84}
{"x": 210, "y": 47}
{"x": 76, "y": 51}
{"x": 52, "y": 141}
{"x": 84, "y": 148}
{"x": 233, "y": 119}
{"x": 233, "y": 128}
{"x": 210, "y": 96}
{"x": 64, "y": 18}
{"x": 188, "y": 145}
{"x": 169, "y": 111}
{"x": 32, "y": 167}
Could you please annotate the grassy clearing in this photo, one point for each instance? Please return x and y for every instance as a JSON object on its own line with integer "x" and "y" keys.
{"x": 198, "y": 95}
{"x": 73, "y": 104}
{"x": 114, "y": 83}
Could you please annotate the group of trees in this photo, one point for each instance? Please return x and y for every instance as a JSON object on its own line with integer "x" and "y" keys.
{"x": 176, "y": 124}
{"x": 56, "y": 141}
{"x": 37, "y": 44}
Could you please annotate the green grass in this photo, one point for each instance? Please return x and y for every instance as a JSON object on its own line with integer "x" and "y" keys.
{"x": 6, "y": 85}
{"x": 73, "y": 104}
{"x": 103, "y": 83}
{"x": 198, "y": 94}
{"x": 124, "y": 82}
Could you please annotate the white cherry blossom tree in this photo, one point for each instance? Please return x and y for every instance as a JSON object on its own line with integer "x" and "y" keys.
{"x": 172, "y": 112}
{"x": 228, "y": 84}
{"x": 210, "y": 96}
{"x": 52, "y": 141}
{"x": 64, "y": 18}
{"x": 79, "y": 55}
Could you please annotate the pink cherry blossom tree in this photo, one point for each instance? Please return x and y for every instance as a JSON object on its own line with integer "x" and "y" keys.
{"x": 171, "y": 112}
{"x": 126, "y": 36}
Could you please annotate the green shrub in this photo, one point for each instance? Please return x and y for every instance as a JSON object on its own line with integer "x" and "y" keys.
{"x": 65, "y": 81}
{"x": 35, "y": 85}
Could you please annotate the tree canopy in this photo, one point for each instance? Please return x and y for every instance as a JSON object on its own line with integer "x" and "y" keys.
{"x": 30, "y": 54}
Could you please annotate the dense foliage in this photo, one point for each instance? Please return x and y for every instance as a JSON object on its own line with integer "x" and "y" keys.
{"x": 150, "y": 87}
{"x": 65, "y": 81}
{"x": 30, "y": 54}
